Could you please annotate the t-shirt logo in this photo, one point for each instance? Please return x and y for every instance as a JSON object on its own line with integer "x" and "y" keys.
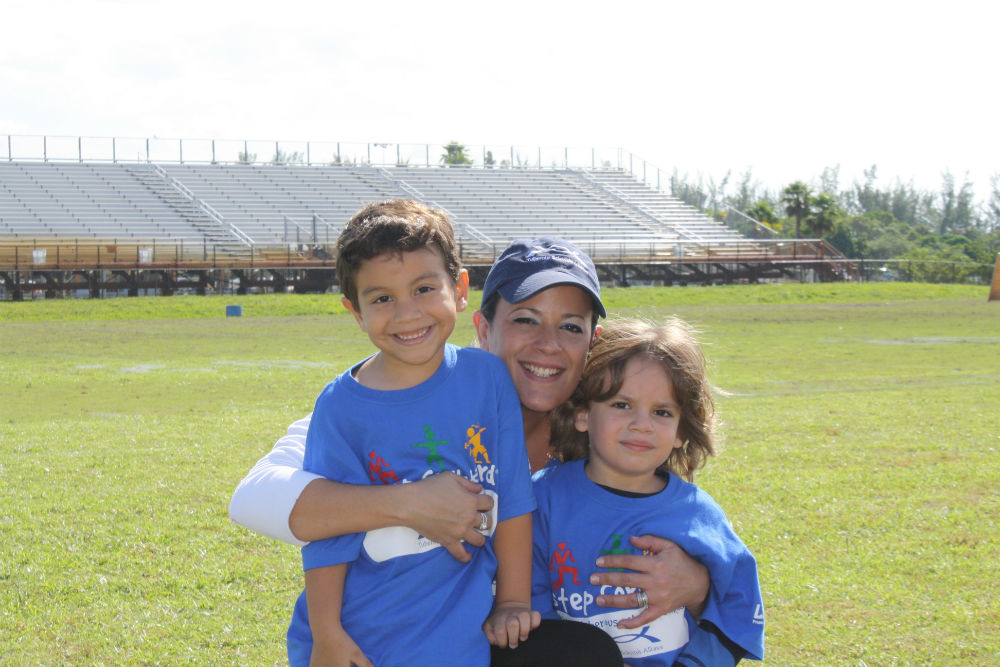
{"x": 559, "y": 562}
{"x": 431, "y": 444}
{"x": 616, "y": 549}
{"x": 378, "y": 469}
{"x": 475, "y": 444}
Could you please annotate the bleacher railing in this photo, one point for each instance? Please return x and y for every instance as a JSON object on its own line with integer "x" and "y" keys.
{"x": 48, "y": 148}
{"x": 204, "y": 207}
{"x": 63, "y": 254}
{"x": 313, "y": 230}
{"x": 749, "y": 227}
{"x": 62, "y": 148}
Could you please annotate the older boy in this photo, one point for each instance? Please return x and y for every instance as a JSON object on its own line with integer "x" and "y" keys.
{"x": 418, "y": 407}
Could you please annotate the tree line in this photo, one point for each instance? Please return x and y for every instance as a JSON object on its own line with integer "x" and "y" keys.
{"x": 947, "y": 233}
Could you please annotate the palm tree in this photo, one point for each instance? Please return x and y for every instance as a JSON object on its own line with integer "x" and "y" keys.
{"x": 762, "y": 211}
{"x": 798, "y": 199}
{"x": 824, "y": 214}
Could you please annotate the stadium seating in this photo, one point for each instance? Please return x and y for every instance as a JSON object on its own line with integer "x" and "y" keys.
{"x": 87, "y": 201}
{"x": 688, "y": 222}
{"x": 262, "y": 205}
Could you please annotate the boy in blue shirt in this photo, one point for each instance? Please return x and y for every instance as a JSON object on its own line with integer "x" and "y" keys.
{"x": 637, "y": 428}
{"x": 418, "y": 407}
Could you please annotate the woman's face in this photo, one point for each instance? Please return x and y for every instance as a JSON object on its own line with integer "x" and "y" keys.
{"x": 544, "y": 342}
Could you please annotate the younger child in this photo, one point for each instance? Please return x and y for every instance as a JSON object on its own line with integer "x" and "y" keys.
{"x": 644, "y": 416}
{"x": 418, "y": 407}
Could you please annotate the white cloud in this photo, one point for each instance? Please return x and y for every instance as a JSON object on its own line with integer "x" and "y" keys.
{"x": 785, "y": 88}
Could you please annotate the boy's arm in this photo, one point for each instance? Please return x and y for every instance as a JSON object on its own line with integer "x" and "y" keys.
{"x": 512, "y": 617}
{"x": 278, "y": 499}
{"x": 324, "y": 598}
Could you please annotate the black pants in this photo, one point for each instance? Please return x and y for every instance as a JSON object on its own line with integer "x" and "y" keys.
{"x": 561, "y": 643}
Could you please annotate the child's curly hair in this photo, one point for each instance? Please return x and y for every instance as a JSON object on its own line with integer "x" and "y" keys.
{"x": 394, "y": 226}
{"x": 672, "y": 345}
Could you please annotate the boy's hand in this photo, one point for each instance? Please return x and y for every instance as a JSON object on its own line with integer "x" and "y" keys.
{"x": 510, "y": 623}
{"x": 337, "y": 649}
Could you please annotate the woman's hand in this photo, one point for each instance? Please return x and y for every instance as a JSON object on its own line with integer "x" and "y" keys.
{"x": 670, "y": 578}
{"x": 448, "y": 509}
{"x": 509, "y": 624}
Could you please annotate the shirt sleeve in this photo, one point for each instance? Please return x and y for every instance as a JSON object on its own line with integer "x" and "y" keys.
{"x": 708, "y": 646}
{"x": 734, "y": 609}
{"x": 328, "y": 453}
{"x": 264, "y": 499}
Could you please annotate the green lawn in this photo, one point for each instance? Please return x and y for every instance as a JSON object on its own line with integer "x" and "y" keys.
{"x": 860, "y": 466}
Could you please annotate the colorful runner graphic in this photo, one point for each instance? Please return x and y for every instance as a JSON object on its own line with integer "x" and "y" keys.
{"x": 378, "y": 469}
{"x": 475, "y": 443}
{"x": 431, "y": 444}
{"x": 560, "y": 557}
{"x": 616, "y": 549}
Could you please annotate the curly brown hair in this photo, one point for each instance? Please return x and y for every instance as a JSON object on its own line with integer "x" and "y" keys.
{"x": 393, "y": 226}
{"x": 674, "y": 346}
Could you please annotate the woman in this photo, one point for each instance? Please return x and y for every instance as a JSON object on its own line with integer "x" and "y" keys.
{"x": 541, "y": 304}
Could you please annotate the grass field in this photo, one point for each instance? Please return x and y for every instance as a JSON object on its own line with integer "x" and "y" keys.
{"x": 860, "y": 465}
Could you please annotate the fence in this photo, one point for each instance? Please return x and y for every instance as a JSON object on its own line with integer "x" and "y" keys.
{"x": 61, "y": 148}
{"x": 311, "y": 153}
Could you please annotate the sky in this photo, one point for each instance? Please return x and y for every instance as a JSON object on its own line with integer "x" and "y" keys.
{"x": 784, "y": 89}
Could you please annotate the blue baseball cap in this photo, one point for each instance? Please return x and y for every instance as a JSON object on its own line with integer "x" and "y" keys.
{"x": 529, "y": 266}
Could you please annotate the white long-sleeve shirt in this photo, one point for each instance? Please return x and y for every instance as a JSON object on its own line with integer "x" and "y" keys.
{"x": 264, "y": 499}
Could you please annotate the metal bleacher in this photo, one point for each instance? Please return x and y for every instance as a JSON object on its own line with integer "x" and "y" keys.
{"x": 233, "y": 205}
{"x": 89, "y": 201}
{"x": 507, "y": 204}
{"x": 688, "y": 222}
{"x": 97, "y": 224}
{"x": 268, "y": 202}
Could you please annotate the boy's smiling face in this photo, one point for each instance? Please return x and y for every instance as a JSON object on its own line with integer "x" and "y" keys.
{"x": 408, "y": 305}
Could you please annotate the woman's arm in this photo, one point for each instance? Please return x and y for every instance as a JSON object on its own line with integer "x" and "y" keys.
{"x": 670, "y": 577}
{"x": 278, "y": 499}
{"x": 444, "y": 508}
{"x": 264, "y": 499}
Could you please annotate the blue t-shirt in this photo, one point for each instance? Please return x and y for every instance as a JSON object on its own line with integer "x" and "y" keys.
{"x": 407, "y": 601}
{"x": 577, "y": 521}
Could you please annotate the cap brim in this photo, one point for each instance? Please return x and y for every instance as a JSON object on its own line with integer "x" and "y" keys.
{"x": 542, "y": 280}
